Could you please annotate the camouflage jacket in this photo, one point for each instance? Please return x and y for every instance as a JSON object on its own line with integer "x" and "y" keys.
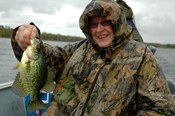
{"x": 130, "y": 19}
{"x": 130, "y": 81}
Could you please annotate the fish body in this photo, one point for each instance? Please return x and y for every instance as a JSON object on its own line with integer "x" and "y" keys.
{"x": 33, "y": 76}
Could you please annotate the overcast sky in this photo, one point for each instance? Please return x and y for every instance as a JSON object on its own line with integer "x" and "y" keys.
{"x": 155, "y": 19}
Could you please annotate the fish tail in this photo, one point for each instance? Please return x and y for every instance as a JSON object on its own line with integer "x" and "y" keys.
{"x": 35, "y": 105}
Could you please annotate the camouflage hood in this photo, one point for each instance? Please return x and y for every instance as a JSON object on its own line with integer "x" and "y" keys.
{"x": 127, "y": 9}
{"x": 112, "y": 13}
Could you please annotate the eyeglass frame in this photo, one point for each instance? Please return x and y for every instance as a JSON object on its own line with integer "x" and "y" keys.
{"x": 95, "y": 24}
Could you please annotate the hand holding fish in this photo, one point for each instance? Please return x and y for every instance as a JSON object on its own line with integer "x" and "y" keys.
{"x": 23, "y": 35}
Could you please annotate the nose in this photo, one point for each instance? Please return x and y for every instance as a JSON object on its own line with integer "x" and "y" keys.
{"x": 100, "y": 27}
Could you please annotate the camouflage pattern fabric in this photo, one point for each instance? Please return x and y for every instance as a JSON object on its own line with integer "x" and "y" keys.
{"x": 131, "y": 83}
{"x": 130, "y": 19}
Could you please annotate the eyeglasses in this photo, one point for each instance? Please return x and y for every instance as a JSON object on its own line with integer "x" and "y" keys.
{"x": 94, "y": 25}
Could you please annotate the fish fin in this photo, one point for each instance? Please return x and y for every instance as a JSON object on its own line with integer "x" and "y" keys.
{"x": 18, "y": 65}
{"x": 49, "y": 85}
{"x": 18, "y": 87}
{"x": 35, "y": 105}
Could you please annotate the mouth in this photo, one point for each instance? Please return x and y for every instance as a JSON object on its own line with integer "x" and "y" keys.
{"x": 102, "y": 36}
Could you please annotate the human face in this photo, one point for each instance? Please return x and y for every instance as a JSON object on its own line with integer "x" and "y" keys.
{"x": 101, "y": 31}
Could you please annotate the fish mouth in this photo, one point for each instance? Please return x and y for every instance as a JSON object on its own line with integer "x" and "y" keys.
{"x": 28, "y": 56}
{"x": 32, "y": 57}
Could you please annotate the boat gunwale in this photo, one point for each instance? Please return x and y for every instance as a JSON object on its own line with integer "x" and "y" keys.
{"x": 6, "y": 85}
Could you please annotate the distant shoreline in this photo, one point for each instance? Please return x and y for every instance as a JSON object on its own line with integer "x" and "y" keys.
{"x": 157, "y": 45}
{"x": 6, "y": 31}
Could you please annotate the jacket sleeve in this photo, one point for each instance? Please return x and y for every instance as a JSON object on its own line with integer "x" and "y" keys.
{"x": 153, "y": 94}
{"x": 55, "y": 56}
{"x": 72, "y": 47}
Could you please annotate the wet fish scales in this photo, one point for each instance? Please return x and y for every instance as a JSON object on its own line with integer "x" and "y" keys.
{"x": 33, "y": 76}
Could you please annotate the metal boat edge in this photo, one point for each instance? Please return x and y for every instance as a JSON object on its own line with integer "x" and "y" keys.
{"x": 5, "y": 85}
{"x": 14, "y": 105}
{"x": 11, "y": 104}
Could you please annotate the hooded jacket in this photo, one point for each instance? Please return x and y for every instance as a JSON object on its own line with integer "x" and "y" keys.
{"x": 130, "y": 82}
{"x": 130, "y": 19}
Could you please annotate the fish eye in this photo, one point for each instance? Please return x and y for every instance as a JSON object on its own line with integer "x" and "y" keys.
{"x": 38, "y": 48}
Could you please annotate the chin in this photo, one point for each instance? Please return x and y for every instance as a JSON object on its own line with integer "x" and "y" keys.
{"x": 105, "y": 45}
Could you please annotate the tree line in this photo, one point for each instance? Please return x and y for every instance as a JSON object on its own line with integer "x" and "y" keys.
{"x": 157, "y": 45}
{"x": 58, "y": 37}
{"x": 6, "y": 31}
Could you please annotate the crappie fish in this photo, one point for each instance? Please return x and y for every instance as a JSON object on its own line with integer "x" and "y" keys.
{"x": 33, "y": 76}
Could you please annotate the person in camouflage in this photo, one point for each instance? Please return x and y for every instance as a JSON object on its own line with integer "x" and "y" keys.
{"x": 121, "y": 79}
{"x": 130, "y": 19}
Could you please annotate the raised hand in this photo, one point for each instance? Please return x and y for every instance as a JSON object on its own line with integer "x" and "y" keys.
{"x": 23, "y": 35}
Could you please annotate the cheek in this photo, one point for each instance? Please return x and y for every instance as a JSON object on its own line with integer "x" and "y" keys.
{"x": 92, "y": 32}
{"x": 110, "y": 30}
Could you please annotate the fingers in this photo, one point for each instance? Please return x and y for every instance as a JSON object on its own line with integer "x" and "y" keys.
{"x": 34, "y": 33}
{"x": 20, "y": 40}
{"x": 23, "y": 35}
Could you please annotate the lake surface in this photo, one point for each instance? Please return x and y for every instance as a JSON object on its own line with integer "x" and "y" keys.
{"x": 165, "y": 57}
{"x": 8, "y": 59}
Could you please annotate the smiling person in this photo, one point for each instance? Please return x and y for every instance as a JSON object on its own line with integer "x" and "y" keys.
{"x": 101, "y": 31}
{"x": 107, "y": 74}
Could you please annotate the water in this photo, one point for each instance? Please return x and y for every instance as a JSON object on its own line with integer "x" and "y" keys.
{"x": 165, "y": 57}
{"x": 8, "y": 59}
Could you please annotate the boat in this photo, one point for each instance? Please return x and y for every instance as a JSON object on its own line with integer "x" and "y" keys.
{"x": 13, "y": 105}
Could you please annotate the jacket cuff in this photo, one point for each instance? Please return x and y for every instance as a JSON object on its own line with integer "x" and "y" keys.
{"x": 17, "y": 50}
